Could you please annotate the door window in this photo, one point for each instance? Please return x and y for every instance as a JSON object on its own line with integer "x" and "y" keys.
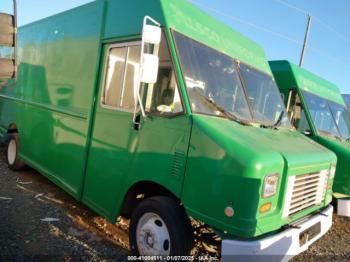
{"x": 163, "y": 98}
{"x": 297, "y": 114}
{"x": 121, "y": 76}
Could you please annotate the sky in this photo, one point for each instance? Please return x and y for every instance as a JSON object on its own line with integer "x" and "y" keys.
{"x": 277, "y": 25}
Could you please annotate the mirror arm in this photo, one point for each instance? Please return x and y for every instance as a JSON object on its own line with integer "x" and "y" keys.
{"x": 141, "y": 105}
{"x": 289, "y": 100}
{"x": 151, "y": 19}
{"x": 138, "y": 99}
{"x": 135, "y": 121}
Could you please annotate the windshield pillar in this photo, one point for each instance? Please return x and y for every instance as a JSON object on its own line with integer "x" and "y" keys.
{"x": 244, "y": 89}
{"x": 178, "y": 71}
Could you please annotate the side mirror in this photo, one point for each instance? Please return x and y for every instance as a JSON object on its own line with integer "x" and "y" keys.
{"x": 149, "y": 69}
{"x": 8, "y": 32}
{"x": 151, "y": 34}
{"x": 148, "y": 73}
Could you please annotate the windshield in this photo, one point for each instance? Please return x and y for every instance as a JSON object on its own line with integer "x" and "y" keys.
{"x": 211, "y": 78}
{"x": 328, "y": 117}
{"x": 214, "y": 85}
{"x": 263, "y": 95}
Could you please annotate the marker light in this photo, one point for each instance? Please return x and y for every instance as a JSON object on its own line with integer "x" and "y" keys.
{"x": 229, "y": 212}
{"x": 270, "y": 185}
{"x": 265, "y": 207}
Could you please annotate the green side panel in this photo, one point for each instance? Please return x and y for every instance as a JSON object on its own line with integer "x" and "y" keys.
{"x": 282, "y": 73}
{"x": 227, "y": 164}
{"x": 305, "y": 80}
{"x": 342, "y": 150}
{"x": 51, "y": 101}
{"x": 187, "y": 19}
{"x": 120, "y": 157}
{"x": 125, "y": 18}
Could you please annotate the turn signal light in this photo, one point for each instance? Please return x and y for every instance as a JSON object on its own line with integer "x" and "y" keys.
{"x": 265, "y": 207}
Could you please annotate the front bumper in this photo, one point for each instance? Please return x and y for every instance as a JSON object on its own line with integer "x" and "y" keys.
{"x": 281, "y": 246}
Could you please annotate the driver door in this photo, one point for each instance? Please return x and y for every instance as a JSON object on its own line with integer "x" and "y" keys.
{"x": 122, "y": 154}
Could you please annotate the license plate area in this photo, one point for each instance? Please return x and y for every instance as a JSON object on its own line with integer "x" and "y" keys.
{"x": 309, "y": 233}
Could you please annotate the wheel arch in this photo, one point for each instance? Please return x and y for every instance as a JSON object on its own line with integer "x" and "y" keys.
{"x": 7, "y": 132}
{"x": 12, "y": 128}
{"x": 140, "y": 191}
{"x": 16, "y": 164}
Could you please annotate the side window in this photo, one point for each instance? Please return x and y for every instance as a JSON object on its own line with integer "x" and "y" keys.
{"x": 163, "y": 98}
{"x": 121, "y": 76}
{"x": 297, "y": 114}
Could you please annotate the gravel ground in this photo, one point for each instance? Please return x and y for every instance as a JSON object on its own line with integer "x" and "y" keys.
{"x": 334, "y": 246}
{"x": 78, "y": 234}
{"x": 39, "y": 221}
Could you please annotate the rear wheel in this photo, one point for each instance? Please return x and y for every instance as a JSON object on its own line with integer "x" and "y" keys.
{"x": 160, "y": 227}
{"x": 12, "y": 157}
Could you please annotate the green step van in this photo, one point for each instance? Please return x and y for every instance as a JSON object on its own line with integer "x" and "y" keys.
{"x": 317, "y": 109}
{"x": 158, "y": 112}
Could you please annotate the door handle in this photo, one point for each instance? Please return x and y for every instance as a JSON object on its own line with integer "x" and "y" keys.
{"x": 137, "y": 122}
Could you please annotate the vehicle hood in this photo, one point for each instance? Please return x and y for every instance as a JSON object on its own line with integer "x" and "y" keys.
{"x": 299, "y": 152}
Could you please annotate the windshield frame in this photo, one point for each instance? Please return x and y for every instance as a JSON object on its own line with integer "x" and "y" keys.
{"x": 253, "y": 119}
{"x": 320, "y": 131}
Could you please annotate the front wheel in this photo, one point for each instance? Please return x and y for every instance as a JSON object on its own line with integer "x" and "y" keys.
{"x": 160, "y": 227}
{"x": 12, "y": 157}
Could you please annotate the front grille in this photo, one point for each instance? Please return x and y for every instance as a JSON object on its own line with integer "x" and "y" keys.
{"x": 305, "y": 191}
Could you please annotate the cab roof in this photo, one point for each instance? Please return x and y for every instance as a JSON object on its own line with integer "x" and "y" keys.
{"x": 289, "y": 75}
{"x": 125, "y": 18}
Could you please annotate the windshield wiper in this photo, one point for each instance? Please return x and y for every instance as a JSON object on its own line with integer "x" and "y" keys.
{"x": 234, "y": 117}
{"x": 330, "y": 135}
{"x": 277, "y": 123}
{"x": 227, "y": 114}
{"x": 279, "y": 120}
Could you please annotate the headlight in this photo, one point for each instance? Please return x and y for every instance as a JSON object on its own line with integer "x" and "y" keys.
{"x": 332, "y": 172}
{"x": 270, "y": 185}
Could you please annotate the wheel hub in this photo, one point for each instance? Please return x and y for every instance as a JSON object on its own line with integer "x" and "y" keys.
{"x": 11, "y": 152}
{"x": 153, "y": 237}
{"x": 150, "y": 239}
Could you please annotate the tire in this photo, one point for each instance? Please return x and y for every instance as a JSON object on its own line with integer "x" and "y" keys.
{"x": 12, "y": 157}
{"x": 159, "y": 226}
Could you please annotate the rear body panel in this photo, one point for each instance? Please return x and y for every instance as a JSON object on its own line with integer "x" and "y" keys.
{"x": 51, "y": 101}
